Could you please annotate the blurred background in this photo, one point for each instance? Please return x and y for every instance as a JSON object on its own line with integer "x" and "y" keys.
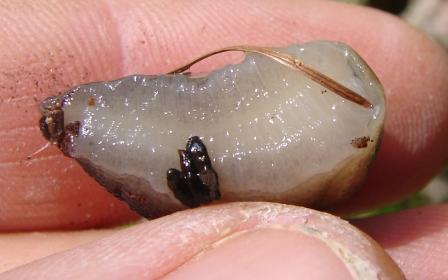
{"x": 430, "y": 16}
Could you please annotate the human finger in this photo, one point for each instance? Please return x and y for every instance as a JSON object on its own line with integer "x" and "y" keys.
{"x": 81, "y": 41}
{"x": 21, "y": 248}
{"x": 203, "y": 243}
{"x": 416, "y": 239}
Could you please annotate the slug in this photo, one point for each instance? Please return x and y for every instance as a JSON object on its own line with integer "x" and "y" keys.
{"x": 298, "y": 125}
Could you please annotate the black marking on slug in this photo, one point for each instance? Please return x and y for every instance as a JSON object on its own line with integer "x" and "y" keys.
{"x": 197, "y": 183}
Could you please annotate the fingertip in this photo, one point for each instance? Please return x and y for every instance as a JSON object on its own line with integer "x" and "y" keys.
{"x": 415, "y": 238}
{"x": 255, "y": 239}
{"x": 288, "y": 254}
{"x": 46, "y": 48}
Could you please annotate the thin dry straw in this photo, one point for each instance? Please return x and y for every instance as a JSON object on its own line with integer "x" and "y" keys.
{"x": 292, "y": 62}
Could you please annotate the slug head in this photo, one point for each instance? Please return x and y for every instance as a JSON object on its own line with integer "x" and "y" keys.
{"x": 52, "y": 124}
{"x": 52, "y": 121}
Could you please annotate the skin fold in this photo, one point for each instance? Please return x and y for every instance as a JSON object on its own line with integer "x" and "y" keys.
{"x": 48, "y": 46}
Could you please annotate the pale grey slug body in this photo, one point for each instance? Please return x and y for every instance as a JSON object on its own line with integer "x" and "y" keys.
{"x": 272, "y": 134}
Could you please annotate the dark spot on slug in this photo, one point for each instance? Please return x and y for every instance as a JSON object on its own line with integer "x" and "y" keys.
{"x": 361, "y": 142}
{"x": 197, "y": 183}
{"x": 72, "y": 128}
{"x": 91, "y": 101}
{"x": 71, "y": 131}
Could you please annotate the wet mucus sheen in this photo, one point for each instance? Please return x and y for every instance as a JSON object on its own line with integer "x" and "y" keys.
{"x": 258, "y": 130}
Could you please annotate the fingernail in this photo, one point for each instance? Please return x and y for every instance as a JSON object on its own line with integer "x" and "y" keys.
{"x": 267, "y": 253}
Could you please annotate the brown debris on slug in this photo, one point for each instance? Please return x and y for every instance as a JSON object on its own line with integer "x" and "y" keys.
{"x": 361, "y": 142}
